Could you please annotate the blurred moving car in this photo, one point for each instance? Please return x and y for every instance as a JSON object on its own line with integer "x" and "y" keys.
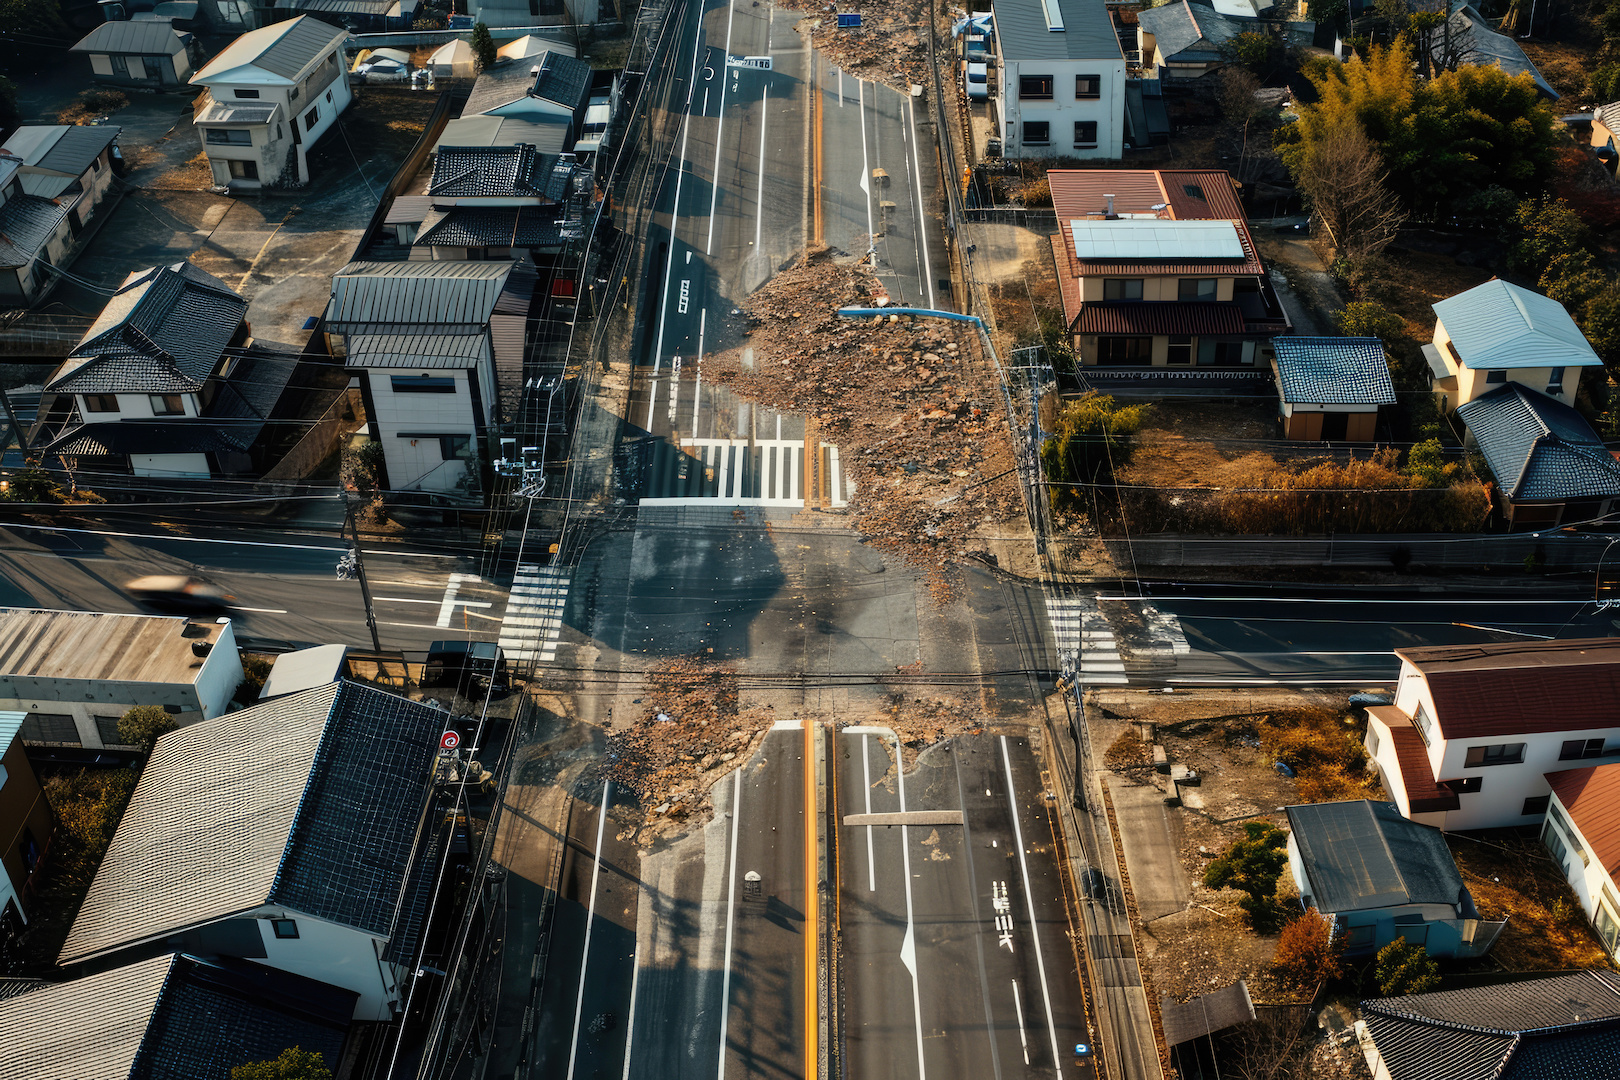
{"x": 178, "y": 594}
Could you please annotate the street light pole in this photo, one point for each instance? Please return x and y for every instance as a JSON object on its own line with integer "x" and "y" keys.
{"x": 357, "y": 566}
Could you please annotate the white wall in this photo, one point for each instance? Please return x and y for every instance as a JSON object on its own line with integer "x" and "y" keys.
{"x": 1582, "y": 869}
{"x": 270, "y": 153}
{"x": 1063, "y": 110}
{"x": 334, "y": 954}
{"x": 187, "y": 465}
{"x": 134, "y": 407}
{"x": 421, "y": 465}
{"x": 85, "y": 700}
{"x": 221, "y": 673}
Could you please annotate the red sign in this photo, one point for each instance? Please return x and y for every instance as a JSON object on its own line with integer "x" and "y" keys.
{"x": 449, "y": 740}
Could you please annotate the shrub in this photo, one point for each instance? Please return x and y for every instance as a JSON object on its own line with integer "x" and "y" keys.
{"x": 1253, "y": 865}
{"x": 143, "y": 725}
{"x": 294, "y": 1063}
{"x": 1307, "y": 954}
{"x": 483, "y": 46}
{"x": 1038, "y": 193}
{"x": 255, "y": 670}
{"x": 88, "y": 806}
{"x": 1092, "y": 438}
{"x": 1405, "y": 968}
{"x": 1362, "y": 318}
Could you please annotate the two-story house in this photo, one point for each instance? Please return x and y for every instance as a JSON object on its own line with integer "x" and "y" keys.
{"x": 418, "y": 334}
{"x": 550, "y": 87}
{"x": 162, "y": 384}
{"x": 1060, "y": 79}
{"x": 1475, "y": 730}
{"x": 53, "y": 178}
{"x": 1157, "y": 269}
{"x": 271, "y": 94}
{"x": 299, "y": 834}
{"x": 1582, "y": 833}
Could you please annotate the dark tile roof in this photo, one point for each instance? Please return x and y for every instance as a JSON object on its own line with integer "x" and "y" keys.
{"x": 1539, "y": 450}
{"x": 563, "y": 79}
{"x": 492, "y": 171}
{"x": 26, "y": 222}
{"x": 156, "y": 437}
{"x": 1592, "y": 798}
{"x": 1023, "y": 34}
{"x": 503, "y": 226}
{"x": 1423, "y": 794}
{"x": 1333, "y": 371}
{"x": 1363, "y": 855}
{"x": 1164, "y": 317}
{"x": 162, "y": 333}
{"x": 1206, "y": 1013}
{"x": 1561, "y": 1028}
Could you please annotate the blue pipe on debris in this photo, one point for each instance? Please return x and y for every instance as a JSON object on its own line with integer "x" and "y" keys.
{"x": 858, "y": 312}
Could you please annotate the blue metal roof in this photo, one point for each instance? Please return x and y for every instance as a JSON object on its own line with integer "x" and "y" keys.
{"x": 1499, "y": 325}
{"x": 1539, "y": 449}
{"x": 1333, "y": 371}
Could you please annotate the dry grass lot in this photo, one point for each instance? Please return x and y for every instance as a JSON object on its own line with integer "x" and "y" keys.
{"x": 1197, "y": 444}
{"x": 1417, "y": 279}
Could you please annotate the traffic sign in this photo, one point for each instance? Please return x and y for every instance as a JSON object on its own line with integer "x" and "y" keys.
{"x": 449, "y": 740}
{"x": 762, "y": 63}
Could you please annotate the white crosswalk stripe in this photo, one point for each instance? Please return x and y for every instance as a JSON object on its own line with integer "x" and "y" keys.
{"x": 1082, "y": 633}
{"x": 1164, "y": 632}
{"x": 534, "y": 613}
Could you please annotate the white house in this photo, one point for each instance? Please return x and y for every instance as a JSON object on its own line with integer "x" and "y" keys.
{"x": 52, "y": 180}
{"x": 147, "y": 53}
{"x": 419, "y": 335}
{"x": 1475, "y": 730}
{"x": 74, "y": 673}
{"x": 1060, "y": 79}
{"x": 272, "y": 93}
{"x": 1582, "y": 831}
{"x": 286, "y": 834}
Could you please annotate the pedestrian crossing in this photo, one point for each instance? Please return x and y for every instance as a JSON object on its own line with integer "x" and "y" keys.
{"x": 1085, "y": 640}
{"x": 1164, "y": 632}
{"x": 532, "y": 627}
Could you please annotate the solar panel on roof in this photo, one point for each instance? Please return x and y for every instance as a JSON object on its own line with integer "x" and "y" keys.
{"x": 1156, "y": 238}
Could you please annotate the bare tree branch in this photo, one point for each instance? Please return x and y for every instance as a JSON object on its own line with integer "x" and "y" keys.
{"x": 1344, "y": 179}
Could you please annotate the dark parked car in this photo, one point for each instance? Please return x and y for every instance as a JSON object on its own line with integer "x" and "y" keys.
{"x": 1094, "y": 883}
{"x": 465, "y": 665}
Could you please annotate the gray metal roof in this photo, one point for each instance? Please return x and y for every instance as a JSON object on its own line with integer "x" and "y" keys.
{"x": 1333, "y": 371}
{"x": 1562, "y": 1028}
{"x": 311, "y": 801}
{"x": 89, "y": 1028}
{"x": 163, "y": 332}
{"x": 1471, "y": 32}
{"x": 405, "y": 294}
{"x": 304, "y": 669}
{"x": 1500, "y": 325}
{"x": 1363, "y": 855}
{"x": 423, "y": 348}
{"x": 499, "y": 85}
{"x": 283, "y": 49}
{"x": 97, "y": 647}
{"x": 1022, "y": 31}
{"x": 144, "y": 37}
{"x": 79, "y": 145}
{"x": 548, "y": 135}
{"x": 346, "y": 7}
{"x": 1539, "y": 449}
{"x": 26, "y": 222}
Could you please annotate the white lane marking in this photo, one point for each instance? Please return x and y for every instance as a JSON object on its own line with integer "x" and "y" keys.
{"x": 731, "y": 907}
{"x": 922, "y": 221}
{"x": 1029, "y": 899}
{"x": 675, "y": 210}
{"x": 630, "y": 1018}
{"x": 871, "y": 860}
{"x": 908, "y": 948}
{"x": 840, "y": 87}
{"x": 652, "y": 394}
{"x": 866, "y": 175}
{"x": 435, "y": 603}
{"x": 447, "y": 606}
{"x": 720, "y": 130}
{"x": 759, "y": 196}
{"x": 1403, "y": 601}
{"x": 705, "y": 109}
{"x": 264, "y": 610}
{"x": 697, "y": 390}
{"x": 1018, "y": 1007}
{"x": 590, "y": 919}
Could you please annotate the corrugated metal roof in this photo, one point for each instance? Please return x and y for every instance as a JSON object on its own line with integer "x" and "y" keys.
{"x": 1362, "y": 855}
{"x": 97, "y": 647}
{"x": 415, "y": 293}
{"x": 1333, "y": 371}
{"x": 1022, "y": 31}
{"x": 424, "y": 349}
{"x": 408, "y": 209}
{"x": 547, "y": 136}
{"x": 145, "y": 37}
{"x": 26, "y": 223}
{"x": 346, "y": 7}
{"x": 1500, "y": 325}
{"x": 1146, "y": 239}
{"x": 87, "y": 1029}
{"x": 284, "y": 49}
{"x": 1206, "y": 1013}
{"x": 1539, "y": 450}
{"x": 10, "y": 724}
{"x": 1591, "y": 796}
{"x": 1521, "y": 687}
{"x": 1165, "y": 317}
{"x": 79, "y": 145}
{"x": 1423, "y": 795}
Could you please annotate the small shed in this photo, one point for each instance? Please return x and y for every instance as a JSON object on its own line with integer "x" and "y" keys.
{"x": 147, "y": 53}
{"x": 1330, "y": 388}
{"x": 454, "y": 60}
{"x": 305, "y": 669}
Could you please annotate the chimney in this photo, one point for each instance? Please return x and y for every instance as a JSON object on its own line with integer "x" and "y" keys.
{"x": 1110, "y": 211}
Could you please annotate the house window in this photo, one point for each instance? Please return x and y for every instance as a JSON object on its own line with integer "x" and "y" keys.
{"x": 1196, "y": 288}
{"x": 1497, "y": 754}
{"x": 13, "y": 189}
{"x": 1607, "y": 926}
{"x": 246, "y": 93}
{"x": 1557, "y": 820}
{"x": 1424, "y": 724}
{"x": 1496, "y": 376}
{"x": 292, "y": 95}
{"x": 1554, "y": 840}
{"x": 1465, "y": 786}
{"x": 1576, "y": 749}
{"x": 1361, "y": 935}
{"x": 285, "y": 928}
{"x": 1122, "y": 288}
{"x": 329, "y": 97}
{"x": 229, "y": 137}
{"x": 1180, "y": 351}
{"x": 1220, "y": 353}
{"x": 1124, "y": 350}
{"x": 1085, "y": 133}
{"x": 101, "y": 402}
{"x": 1087, "y": 86}
{"x": 167, "y": 404}
{"x": 1193, "y": 191}
{"x": 1555, "y": 380}
{"x": 1037, "y": 133}
{"x": 1535, "y": 806}
{"x": 311, "y": 117}
{"x": 244, "y": 170}
{"x": 451, "y": 447}
{"x": 278, "y": 133}
{"x": 107, "y": 728}
{"x": 422, "y": 384}
{"x": 50, "y": 727}
{"x": 1035, "y": 87}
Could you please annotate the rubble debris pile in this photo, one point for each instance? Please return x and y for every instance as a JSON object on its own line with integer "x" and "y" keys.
{"x": 887, "y": 47}
{"x": 913, "y": 405}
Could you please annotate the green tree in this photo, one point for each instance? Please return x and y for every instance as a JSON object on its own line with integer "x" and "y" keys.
{"x": 1602, "y": 326}
{"x": 143, "y": 725}
{"x": 1543, "y": 233}
{"x": 1605, "y": 83}
{"x": 483, "y": 46}
{"x": 294, "y": 1063}
{"x": 1363, "y": 318}
{"x": 1405, "y": 968}
{"x": 1427, "y": 462}
{"x": 1253, "y": 865}
{"x": 1090, "y": 439}
{"x": 1251, "y": 50}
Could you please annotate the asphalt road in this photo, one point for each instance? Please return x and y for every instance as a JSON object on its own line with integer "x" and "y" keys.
{"x": 959, "y": 955}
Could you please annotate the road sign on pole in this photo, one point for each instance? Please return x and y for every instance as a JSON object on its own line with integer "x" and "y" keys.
{"x": 449, "y": 740}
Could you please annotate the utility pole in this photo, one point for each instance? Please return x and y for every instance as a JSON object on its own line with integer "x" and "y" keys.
{"x": 352, "y": 566}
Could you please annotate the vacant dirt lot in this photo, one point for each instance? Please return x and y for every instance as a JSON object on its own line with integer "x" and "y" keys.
{"x": 1194, "y": 444}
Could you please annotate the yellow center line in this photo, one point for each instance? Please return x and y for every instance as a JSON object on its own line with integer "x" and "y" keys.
{"x": 812, "y": 921}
